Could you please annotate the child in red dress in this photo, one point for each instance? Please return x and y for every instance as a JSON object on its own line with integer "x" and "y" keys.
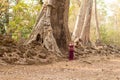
{"x": 71, "y": 51}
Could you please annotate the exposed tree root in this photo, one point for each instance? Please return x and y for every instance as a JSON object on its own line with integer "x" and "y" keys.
{"x": 33, "y": 53}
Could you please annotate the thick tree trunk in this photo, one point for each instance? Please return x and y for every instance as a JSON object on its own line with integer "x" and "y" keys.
{"x": 85, "y": 33}
{"x": 59, "y": 20}
{"x": 51, "y": 28}
{"x": 80, "y": 20}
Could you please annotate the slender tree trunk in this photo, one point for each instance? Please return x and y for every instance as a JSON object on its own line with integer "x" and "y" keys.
{"x": 97, "y": 24}
{"x": 7, "y": 14}
{"x": 17, "y": 1}
{"x": 85, "y": 33}
{"x": 115, "y": 22}
{"x": 80, "y": 20}
{"x": 52, "y": 26}
{"x": 6, "y": 17}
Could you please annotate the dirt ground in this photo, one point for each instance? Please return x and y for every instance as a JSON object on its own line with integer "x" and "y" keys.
{"x": 92, "y": 68}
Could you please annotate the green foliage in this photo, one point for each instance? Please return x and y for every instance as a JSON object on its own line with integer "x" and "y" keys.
{"x": 23, "y": 19}
{"x": 104, "y": 34}
{"x": 72, "y": 7}
{"x": 110, "y": 36}
{"x": 3, "y": 14}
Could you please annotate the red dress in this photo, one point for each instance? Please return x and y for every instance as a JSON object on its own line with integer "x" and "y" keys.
{"x": 71, "y": 51}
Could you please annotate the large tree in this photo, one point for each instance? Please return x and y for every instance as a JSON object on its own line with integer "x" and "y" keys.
{"x": 51, "y": 28}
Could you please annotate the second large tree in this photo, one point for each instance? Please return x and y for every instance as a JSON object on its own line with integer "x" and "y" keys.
{"x": 82, "y": 27}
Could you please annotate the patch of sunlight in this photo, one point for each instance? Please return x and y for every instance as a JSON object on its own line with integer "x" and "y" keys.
{"x": 110, "y": 1}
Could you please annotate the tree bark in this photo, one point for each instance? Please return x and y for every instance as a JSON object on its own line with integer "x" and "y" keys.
{"x": 85, "y": 33}
{"x": 51, "y": 28}
{"x": 80, "y": 20}
{"x": 59, "y": 20}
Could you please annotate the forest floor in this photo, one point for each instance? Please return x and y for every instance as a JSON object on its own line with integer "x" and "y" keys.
{"x": 89, "y": 68}
{"x": 34, "y": 62}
